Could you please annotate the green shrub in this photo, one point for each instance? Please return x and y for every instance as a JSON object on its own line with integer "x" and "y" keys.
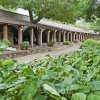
{"x": 88, "y": 42}
{"x": 25, "y": 44}
{"x": 66, "y": 43}
{"x": 74, "y": 76}
{"x": 3, "y": 46}
{"x": 7, "y": 42}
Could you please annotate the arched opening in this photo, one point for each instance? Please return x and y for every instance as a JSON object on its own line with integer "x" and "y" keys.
{"x": 13, "y": 34}
{"x": 26, "y": 34}
{"x": 44, "y": 36}
{"x": 1, "y": 31}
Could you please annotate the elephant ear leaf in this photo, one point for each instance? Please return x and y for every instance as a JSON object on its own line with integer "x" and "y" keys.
{"x": 93, "y": 97}
{"x": 8, "y": 63}
{"x": 78, "y": 96}
{"x": 52, "y": 92}
{"x": 95, "y": 85}
{"x": 3, "y": 86}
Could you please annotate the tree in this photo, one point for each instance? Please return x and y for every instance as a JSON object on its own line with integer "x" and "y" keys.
{"x": 61, "y": 10}
{"x": 95, "y": 25}
{"x": 90, "y": 11}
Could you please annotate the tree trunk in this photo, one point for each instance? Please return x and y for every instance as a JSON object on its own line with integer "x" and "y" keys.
{"x": 35, "y": 22}
{"x": 30, "y": 15}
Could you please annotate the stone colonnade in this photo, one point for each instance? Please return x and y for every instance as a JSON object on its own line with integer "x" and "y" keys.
{"x": 58, "y": 35}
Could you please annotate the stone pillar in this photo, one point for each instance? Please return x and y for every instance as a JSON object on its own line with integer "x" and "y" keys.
{"x": 59, "y": 37}
{"x": 31, "y": 37}
{"x": 5, "y": 31}
{"x": 40, "y": 37}
{"x": 77, "y": 37}
{"x": 67, "y": 36}
{"x": 99, "y": 36}
{"x": 20, "y": 29}
{"x": 96, "y": 36}
{"x": 64, "y": 36}
{"x": 71, "y": 36}
{"x": 48, "y": 36}
{"x": 85, "y": 36}
{"x": 93, "y": 36}
{"x": 74, "y": 37}
{"x": 88, "y": 36}
{"x": 54, "y": 36}
{"x": 81, "y": 37}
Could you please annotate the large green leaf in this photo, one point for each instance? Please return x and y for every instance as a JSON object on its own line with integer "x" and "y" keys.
{"x": 8, "y": 63}
{"x": 93, "y": 97}
{"x": 83, "y": 89}
{"x": 3, "y": 86}
{"x": 96, "y": 60}
{"x": 78, "y": 96}
{"x": 52, "y": 92}
{"x": 30, "y": 90}
{"x": 50, "y": 89}
{"x": 95, "y": 85}
{"x": 38, "y": 97}
{"x": 51, "y": 74}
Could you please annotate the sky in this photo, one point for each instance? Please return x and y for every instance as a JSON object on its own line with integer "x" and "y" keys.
{"x": 22, "y": 11}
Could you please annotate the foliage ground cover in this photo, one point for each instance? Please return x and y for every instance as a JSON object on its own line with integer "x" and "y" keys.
{"x": 74, "y": 76}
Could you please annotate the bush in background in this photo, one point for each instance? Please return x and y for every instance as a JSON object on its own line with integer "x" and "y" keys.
{"x": 66, "y": 43}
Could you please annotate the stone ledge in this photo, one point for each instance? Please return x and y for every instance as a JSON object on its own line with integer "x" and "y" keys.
{"x": 20, "y": 53}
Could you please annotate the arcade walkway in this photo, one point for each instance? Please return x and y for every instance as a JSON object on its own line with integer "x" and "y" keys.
{"x": 28, "y": 58}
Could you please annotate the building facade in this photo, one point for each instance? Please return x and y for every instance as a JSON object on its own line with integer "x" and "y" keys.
{"x": 18, "y": 28}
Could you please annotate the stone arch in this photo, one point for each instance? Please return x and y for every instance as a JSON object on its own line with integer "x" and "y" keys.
{"x": 1, "y": 31}
{"x": 26, "y": 33}
{"x": 13, "y": 33}
{"x": 44, "y": 36}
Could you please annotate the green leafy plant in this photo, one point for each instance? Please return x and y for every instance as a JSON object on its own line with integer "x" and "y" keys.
{"x": 66, "y": 42}
{"x": 88, "y": 42}
{"x": 25, "y": 45}
{"x": 3, "y": 46}
{"x": 7, "y": 42}
{"x": 73, "y": 76}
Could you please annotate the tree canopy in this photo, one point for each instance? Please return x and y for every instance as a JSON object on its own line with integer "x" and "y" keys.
{"x": 61, "y": 10}
{"x": 67, "y": 11}
{"x": 90, "y": 8}
{"x": 91, "y": 13}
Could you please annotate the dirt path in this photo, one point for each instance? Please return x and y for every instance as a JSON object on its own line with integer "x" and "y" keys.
{"x": 28, "y": 58}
